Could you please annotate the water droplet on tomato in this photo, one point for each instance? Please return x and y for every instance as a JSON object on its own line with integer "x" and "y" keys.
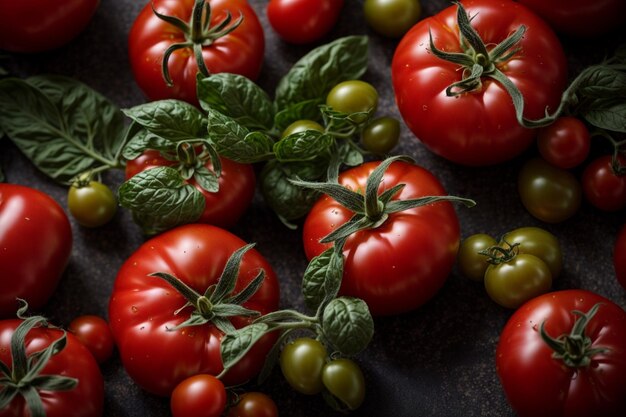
{"x": 134, "y": 309}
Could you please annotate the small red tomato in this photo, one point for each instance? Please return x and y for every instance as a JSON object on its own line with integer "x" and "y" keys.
{"x": 604, "y": 188}
{"x": 95, "y": 334}
{"x": 565, "y": 143}
{"x": 254, "y": 404}
{"x": 200, "y": 395}
{"x": 303, "y": 21}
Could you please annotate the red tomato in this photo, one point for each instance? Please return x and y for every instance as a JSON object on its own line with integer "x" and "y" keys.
{"x": 619, "y": 257}
{"x": 239, "y": 52}
{"x": 478, "y": 127}
{"x": 39, "y": 25}
{"x": 539, "y": 385}
{"x": 35, "y": 246}
{"x": 401, "y": 264}
{"x": 254, "y": 404}
{"x": 86, "y": 399}
{"x": 199, "y": 396}
{"x": 603, "y": 187}
{"x": 565, "y": 143}
{"x": 143, "y": 308}
{"x": 303, "y": 21}
{"x": 580, "y": 18}
{"x": 223, "y": 208}
{"x": 95, "y": 334}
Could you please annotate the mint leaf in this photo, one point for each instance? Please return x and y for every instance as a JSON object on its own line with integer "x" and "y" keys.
{"x": 348, "y": 325}
{"x": 322, "y": 278}
{"x": 173, "y": 120}
{"x": 303, "y": 146}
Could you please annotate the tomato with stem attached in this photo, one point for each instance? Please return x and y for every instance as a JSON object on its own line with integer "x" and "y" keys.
{"x": 91, "y": 203}
{"x": 604, "y": 182}
{"x": 301, "y": 362}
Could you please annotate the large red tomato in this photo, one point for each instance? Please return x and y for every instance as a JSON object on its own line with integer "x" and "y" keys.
{"x": 402, "y": 263}
{"x": 303, "y": 21}
{"x": 86, "y": 399}
{"x": 588, "y": 378}
{"x": 39, "y": 25}
{"x": 35, "y": 246}
{"x": 239, "y": 51}
{"x": 581, "y": 18}
{"x": 143, "y": 309}
{"x": 478, "y": 127}
{"x": 227, "y": 205}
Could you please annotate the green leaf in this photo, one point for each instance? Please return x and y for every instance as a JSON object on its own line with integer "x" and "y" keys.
{"x": 303, "y": 110}
{"x": 173, "y": 120}
{"x": 322, "y": 278}
{"x": 237, "y": 97}
{"x": 603, "y": 82}
{"x": 64, "y": 127}
{"x": 207, "y": 179}
{"x": 144, "y": 140}
{"x": 315, "y": 74}
{"x": 303, "y": 146}
{"x": 235, "y": 141}
{"x": 160, "y": 199}
{"x": 236, "y": 344}
{"x": 348, "y": 325}
{"x": 609, "y": 114}
{"x": 349, "y": 155}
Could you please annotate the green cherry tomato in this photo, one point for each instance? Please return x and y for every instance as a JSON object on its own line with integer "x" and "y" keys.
{"x": 381, "y": 135}
{"x": 392, "y": 18}
{"x": 344, "y": 380}
{"x": 92, "y": 205}
{"x": 302, "y": 362}
{"x": 516, "y": 281}
{"x": 539, "y": 242}
{"x": 354, "y": 96}
{"x": 301, "y": 126}
{"x": 471, "y": 263}
{"x": 549, "y": 193}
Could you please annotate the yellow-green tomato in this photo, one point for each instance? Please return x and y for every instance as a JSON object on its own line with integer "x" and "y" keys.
{"x": 301, "y": 126}
{"x": 344, "y": 380}
{"x": 470, "y": 262}
{"x": 301, "y": 362}
{"x": 539, "y": 242}
{"x": 381, "y": 135}
{"x": 354, "y": 96}
{"x": 92, "y": 205}
{"x": 516, "y": 281}
{"x": 392, "y": 18}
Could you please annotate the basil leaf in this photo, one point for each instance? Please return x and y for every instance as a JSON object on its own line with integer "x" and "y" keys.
{"x": 144, "y": 140}
{"x": 604, "y": 82}
{"x": 349, "y": 155}
{"x": 609, "y": 114}
{"x": 348, "y": 325}
{"x": 307, "y": 110}
{"x": 315, "y": 74}
{"x": 237, "y": 97}
{"x": 207, "y": 179}
{"x": 61, "y": 125}
{"x": 236, "y": 344}
{"x": 303, "y": 146}
{"x": 173, "y": 120}
{"x": 160, "y": 199}
{"x": 235, "y": 141}
{"x": 322, "y": 278}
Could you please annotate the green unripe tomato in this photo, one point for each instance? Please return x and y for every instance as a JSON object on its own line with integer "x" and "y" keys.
{"x": 92, "y": 205}
{"x": 539, "y": 242}
{"x": 354, "y": 96}
{"x": 381, "y": 135}
{"x": 392, "y": 18}
{"x": 471, "y": 263}
{"x": 301, "y": 126}
{"x": 344, "y": 380}
{"x": 301, "y": 362}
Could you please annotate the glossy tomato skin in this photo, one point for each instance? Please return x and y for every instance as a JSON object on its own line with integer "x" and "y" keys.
{"x": 223, "y": 208}
{"x": 538, "y": 385}
{"x": 39, "y": 25}
{"x": 603, "y": 188}
{"x": 477, "y": 128}
{"x": 619, "y": 257}
{"x": 580, "y": 18}
{"x": 35, "y": 246}
{"x": 400, "y": 265}
{"x": 239, "y": 52}
{"x": 565, "y": 143}
{"x": 254, "y": 404}
{"x": 85, "y": 400}
{"x": 303, "y": 21}
{"x": 141, "y": 308}
{"x": 95, "y": 334}
{"x": 199, "y": 395}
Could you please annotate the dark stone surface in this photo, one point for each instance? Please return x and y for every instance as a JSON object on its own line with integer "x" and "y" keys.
{"x": 436, "y": 361}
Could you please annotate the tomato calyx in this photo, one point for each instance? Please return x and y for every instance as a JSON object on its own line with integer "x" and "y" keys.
{"x": 574, "y": 349}
{"x": 24, "y": 376}
{"x": 502, "y": 253}
{"x": 198, "y": 34}
{"x": 217, "y": 304}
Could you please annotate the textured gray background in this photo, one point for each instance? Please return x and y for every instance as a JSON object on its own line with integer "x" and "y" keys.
{"x": 437, "y": 361}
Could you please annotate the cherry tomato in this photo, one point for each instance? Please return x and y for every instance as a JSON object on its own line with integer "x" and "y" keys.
{"x": 301, "y": 126}
{"x": 478, "y": 127}
{"x": 586, "y": 376}
{"x": 354, "y": 96}
{"x": 40, "y": 25}
{"x": 565, "y": 143}
{"x": 345, "y": 381}
{"x": 539, "y": 242}
{"x": 303, "y": 21}
{"x": 619, "y": 257}
{"x": 35, "y": 242}
{"x": 381, "y": 135}
{"x": 95, "y": 334}
{"x": 254, "y": 404}
{"x": 471, "y": 263}
{"x": 548, "y": 193}
{"x": 92, "y": 205}
{"x": 199, "y": 396}
{"x": 603, "y": 187}
{"x": 302, "y": 361}
{"x": 392, "y": 18}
